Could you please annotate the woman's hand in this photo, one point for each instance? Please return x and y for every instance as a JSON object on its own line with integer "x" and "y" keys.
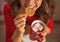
{"x": 46, "y": 31}
{"x": 20, "y": 22}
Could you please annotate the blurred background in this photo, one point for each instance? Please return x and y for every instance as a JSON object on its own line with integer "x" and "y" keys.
{"x": 54, "y": 37}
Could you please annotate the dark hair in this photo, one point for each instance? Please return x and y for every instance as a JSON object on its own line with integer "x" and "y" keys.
{"x": 44, "y": 12}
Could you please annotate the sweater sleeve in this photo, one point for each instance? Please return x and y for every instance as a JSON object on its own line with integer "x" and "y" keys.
{"x": 9, "y": 24}
{"x": 50, "y": 24}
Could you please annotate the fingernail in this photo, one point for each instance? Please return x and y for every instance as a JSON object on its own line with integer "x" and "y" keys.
{"x": 26, "y": 15}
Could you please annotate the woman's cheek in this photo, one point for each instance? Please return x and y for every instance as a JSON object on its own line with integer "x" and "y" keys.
{"x": 22, "y": 2}
{"x": 39, "y": 3}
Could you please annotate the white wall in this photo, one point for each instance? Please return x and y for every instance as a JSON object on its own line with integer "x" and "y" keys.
{"x": 57, "y": 13}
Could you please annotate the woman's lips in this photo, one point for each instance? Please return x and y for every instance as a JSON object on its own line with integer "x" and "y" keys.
{"x": 33, "y": 6}
{"x": 30, "y": 6}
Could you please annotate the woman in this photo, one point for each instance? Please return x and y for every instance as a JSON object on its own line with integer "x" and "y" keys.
{"x": 18, "y": 23}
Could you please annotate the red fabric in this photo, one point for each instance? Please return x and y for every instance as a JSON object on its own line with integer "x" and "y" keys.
{"x": 31, "y": 19}
{"x": 50, "y": 24}
{"x": 10, "y": 27}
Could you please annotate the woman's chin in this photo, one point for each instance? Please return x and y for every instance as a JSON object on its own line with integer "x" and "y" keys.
{"x": 35, "y": 8}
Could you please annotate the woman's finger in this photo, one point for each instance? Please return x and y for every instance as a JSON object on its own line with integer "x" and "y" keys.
{"x": 21, "y": 28}
{"x": 20, "y": 16}
{"x": 20, "y": 24}
{"x": 19, "y": 21}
